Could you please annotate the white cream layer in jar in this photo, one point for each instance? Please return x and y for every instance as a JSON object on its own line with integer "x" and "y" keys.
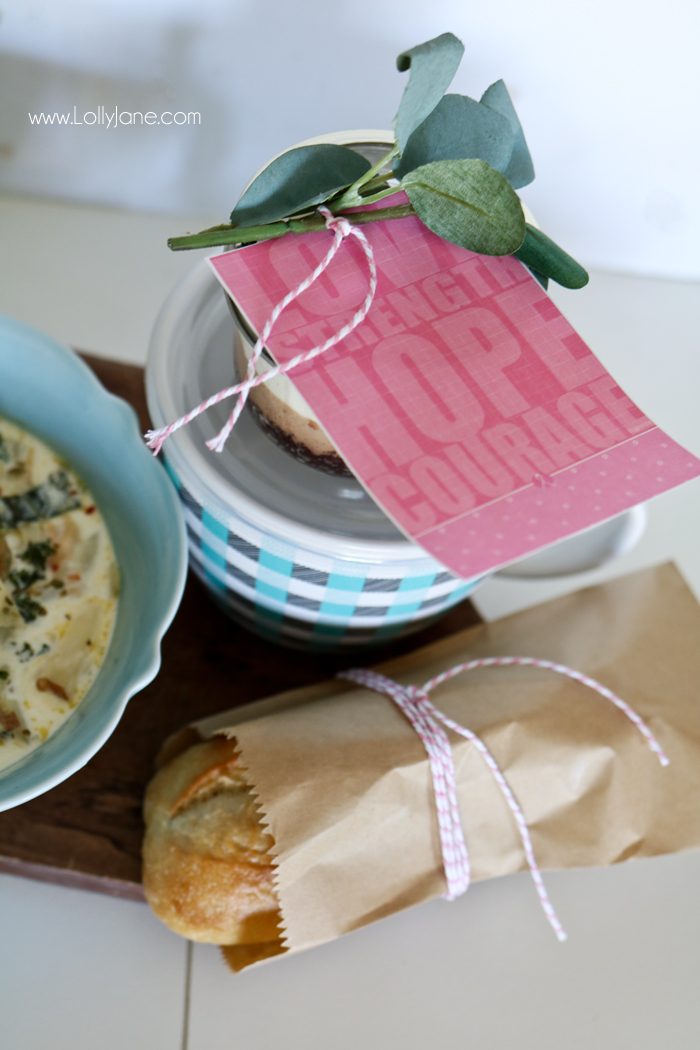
{"x": 58, "y": 592}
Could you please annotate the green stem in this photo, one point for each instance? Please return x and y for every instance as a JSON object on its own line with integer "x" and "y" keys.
{"x": 226, "y": 235}
{"x": 351, "y": 198}
{"x": 378, "y": 182}
{"x": 371, "y": 198}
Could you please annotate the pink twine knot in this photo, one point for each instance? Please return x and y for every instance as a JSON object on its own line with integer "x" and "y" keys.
{"x": 341, "y": 228}
{"x": 430, "y": 723}
{"x": 336, "y": 222}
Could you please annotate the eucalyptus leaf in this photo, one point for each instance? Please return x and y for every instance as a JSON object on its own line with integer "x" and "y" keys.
{"x": 459, "y": 128}
{"x": 432, "y": 66}
{"x": 520, "y": 171}
{"x": 540, "y": 278}
{"x": 540, "y": 253}
{"x": 469, "y": 203}
{"x": 296, "y": 180}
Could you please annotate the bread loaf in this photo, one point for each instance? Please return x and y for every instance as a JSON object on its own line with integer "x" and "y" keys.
{"x": 207, "y": 865}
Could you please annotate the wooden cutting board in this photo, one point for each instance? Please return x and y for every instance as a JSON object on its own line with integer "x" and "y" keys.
{"x": 87, "y": 831}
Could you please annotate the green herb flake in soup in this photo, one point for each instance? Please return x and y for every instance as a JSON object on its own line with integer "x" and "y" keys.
{"x": 58, "y": 592}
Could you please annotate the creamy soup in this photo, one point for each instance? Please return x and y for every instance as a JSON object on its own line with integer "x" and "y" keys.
{"x": 59, "y": 588}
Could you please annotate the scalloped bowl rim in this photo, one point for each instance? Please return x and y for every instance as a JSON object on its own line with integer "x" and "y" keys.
{"x": 102, "y": 417}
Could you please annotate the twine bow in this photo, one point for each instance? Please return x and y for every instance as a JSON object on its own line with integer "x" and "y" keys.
{"x": 341, "y": 228}
{"x": 431, "y": 724}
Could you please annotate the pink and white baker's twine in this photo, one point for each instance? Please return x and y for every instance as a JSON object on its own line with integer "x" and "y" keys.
{"x": 341, "y": 228}
{"x": 430, "y": 724}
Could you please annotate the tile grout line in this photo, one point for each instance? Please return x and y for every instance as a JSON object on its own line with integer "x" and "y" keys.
{"x": 186, "y": 1003}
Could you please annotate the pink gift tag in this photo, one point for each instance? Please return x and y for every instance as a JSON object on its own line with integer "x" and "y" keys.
{"x": 465, "y": 402}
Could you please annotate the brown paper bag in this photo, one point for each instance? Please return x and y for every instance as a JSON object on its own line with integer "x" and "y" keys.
{"x": 344, "y": 783}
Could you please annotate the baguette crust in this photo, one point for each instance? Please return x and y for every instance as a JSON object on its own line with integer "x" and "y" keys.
{"x": 207, "y": 863}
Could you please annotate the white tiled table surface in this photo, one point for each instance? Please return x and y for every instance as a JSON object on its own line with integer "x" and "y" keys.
{"x": 80, "y": 971}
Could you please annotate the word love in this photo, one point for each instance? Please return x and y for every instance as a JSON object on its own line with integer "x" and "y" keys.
{"x": 465, "y": 402}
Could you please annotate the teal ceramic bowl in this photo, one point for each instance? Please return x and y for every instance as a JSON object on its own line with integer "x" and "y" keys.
{"x": 47, "y": 389}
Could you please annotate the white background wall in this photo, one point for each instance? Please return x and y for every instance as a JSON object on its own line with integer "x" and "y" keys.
{"x": 607, "y": 91}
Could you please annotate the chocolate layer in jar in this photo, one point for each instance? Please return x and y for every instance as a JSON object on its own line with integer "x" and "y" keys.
{"x": 286, "y": 418}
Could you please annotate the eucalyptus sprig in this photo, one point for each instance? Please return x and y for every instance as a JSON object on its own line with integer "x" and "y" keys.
{"x": 457, "y": 160}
